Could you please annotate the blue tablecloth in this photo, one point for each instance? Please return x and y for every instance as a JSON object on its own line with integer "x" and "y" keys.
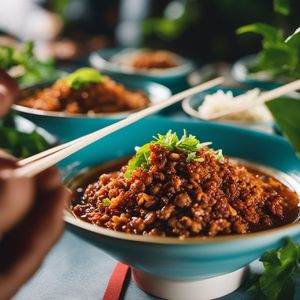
{"x": 74, "y": 269}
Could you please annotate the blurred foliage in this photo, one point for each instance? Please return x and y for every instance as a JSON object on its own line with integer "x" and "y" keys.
{"x": 286, "y": 112}
{"x": 210, "y": 35}
{"x": 282, "y": 6}
{"x": 177, "y": 16}
{"x": 25, "y": 66}
{"x": 279, "y": 55}
{"x": 19, "y": 144}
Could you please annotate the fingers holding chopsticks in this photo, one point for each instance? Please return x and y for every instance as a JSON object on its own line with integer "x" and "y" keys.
{"x": 31, "y": 222}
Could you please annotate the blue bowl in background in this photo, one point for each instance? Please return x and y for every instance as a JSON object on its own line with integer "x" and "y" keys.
{"x": 193, "y": 259}
{"x": 240, "y": 72}
{"x": 174, "y": 78}
{"x": 190, "y": 106}
{"x": 66, "y": 126}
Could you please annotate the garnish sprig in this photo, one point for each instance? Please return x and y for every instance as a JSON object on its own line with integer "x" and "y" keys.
{"x": 83, "y": 77}
{"x": 187, "y": 144}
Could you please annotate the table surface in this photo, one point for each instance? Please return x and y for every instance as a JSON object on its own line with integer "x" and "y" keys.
{"x": 75, "y": 269}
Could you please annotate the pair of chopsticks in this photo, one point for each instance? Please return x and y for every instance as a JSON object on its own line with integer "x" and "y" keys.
{"x": 35, "y": 164}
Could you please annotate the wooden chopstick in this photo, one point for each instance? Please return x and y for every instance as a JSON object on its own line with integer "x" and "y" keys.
{"x": 38, "y": 163}
{"x": 156, "y": 107}
{"x": 262, "y": 98}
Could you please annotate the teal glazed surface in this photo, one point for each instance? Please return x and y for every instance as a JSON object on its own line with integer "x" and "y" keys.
{"x": 240, "y": 72}
{"x": 201, "y": 258}
{"x": 176, "y": 81}
{"x": 66, "y": 128}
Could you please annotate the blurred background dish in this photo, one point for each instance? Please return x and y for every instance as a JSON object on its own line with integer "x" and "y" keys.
{"x": 67, "y": 126}
{"x": 241, "y": 73}
{"x": 112, "y": 61}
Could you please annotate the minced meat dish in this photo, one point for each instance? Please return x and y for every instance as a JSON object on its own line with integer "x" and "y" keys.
{"x": 154, "y": 59}
{"x": 182, "y": 188}
{"x": 105, "y": 96}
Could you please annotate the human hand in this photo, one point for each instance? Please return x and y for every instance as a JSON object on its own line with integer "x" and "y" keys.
{"x": 30, "y": 211}
{"x": 31, "y": 221}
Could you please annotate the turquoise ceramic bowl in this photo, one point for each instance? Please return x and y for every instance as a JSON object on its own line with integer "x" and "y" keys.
{"x": 174, "y": 78}
{"x": 193, "y": 258}
{"x": 240, "y": 72}
{"x": 67, "y": 126}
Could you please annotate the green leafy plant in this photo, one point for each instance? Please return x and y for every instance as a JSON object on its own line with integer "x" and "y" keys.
{"x": 28, "y": 69}
{"x": 277, "y": 280}
{"x": 187, "y": 144}
{"x": 83, "y": 77}
{"x": 286, "y": 112}
{"x": 280, "y": 54}
{"x": 20, "y": 144}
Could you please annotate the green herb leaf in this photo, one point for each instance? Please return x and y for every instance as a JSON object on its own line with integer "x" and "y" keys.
{"x": 276, "y": 282}
{"x": 279, "y": 59}
{"x": 18, "y": 143}
{"x": 286, "y": 112}
{"x": 219, "y": 155}
{"x": 271, "y": 35}
{"x": 83, "y": 77}
{"x": 106, "y": 202}
{"x": 188, "y": 144}
{"x": 279, "y": 56}
{"x": 139, "y": 160}
{"x": 191, "y": 156}
{"x": 294, "y": 39}
{"x": 282, "y": 6}
{"x": 32, "y": 69}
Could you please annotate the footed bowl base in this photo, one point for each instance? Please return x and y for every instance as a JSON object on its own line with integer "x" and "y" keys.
{"x": 204, "y": 289}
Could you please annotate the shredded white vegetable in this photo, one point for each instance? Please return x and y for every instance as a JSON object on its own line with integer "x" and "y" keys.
{"x": 221, "y": 100}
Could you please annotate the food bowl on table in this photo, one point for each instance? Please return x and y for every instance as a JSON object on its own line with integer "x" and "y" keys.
{"x": 192, "y": 267}
{"x": 258, "y": 118}
{"x": 115, "y": 61}
{"x": 70, "y": 124}
{"x": 264, "y": 80}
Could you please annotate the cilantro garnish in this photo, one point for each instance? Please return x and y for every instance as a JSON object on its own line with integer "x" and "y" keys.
{"x": 188, "y": 144}
{"x": 276, "y": 282}
{"x": 106, "y": 202}
{"x": 83, "y": 77}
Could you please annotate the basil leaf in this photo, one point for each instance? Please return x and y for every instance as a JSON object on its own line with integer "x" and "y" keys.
{"x": 271, "y": 34}
{"x": 294, "y": 39}
{"x": 286, "y": 112}
{"x": 279, "y": 59}
{"x": 276, "y": 282}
